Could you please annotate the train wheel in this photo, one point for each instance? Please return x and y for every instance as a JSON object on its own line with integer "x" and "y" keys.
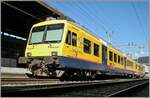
{"x": 130, "y": 76}
{"x": 37, "y": 72}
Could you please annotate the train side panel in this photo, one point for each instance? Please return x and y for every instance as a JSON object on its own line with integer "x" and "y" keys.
{"x": 130, "y": 65}
{"x": 77, "y": 51}
{"x": 115, "y": 58}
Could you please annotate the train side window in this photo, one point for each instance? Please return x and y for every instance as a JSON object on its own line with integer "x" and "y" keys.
{"x": 110, "y": 56}
{"x": 68, "y": 38}
{"x": 129, "y": 63}
{"x": 87, "y": 46}
{"x": 139, "y": 68}
{"x": 142, "y": 68}
{"x": 74, "y": 39}
{"x": 118, "y": 59}
{"x": 96, "y": 49}
{"x": 136, "y": 66}
{"x": 122, "y": 60}
{"x": 104, "y": 51}
{"x": 115, "y": 57}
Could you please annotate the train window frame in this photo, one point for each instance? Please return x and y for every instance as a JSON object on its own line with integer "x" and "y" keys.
{"x": 139, "y": 68}
{"x": 74, "y": 39}
{"x": 136, "y": 66}
{"x": 129, "y": 63}
{"x": 68, "y": 41}
{"x": 85, "y": 46}
{"x": 104, "y": 51}
{"x": 125, "y": 62}
{"x": 122, "y": 60}
{"x": 31, "y": 34}
{"x": 96, "y": 49}
{"x": 119, "y": 59}
{"x": 54, "y": 29}
{"x": 115, "y": 57}
{"x": 110, "y": 55}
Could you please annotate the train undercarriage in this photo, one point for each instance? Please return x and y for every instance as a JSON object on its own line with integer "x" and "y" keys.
{"x": 51, "y": 68}
{"x": 52, "y": 71}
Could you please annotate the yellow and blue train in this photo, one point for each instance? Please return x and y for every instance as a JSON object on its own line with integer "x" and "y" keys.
{"x": 62, "y": 48}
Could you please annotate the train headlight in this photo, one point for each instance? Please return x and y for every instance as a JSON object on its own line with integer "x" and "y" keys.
{"x": 29, "y": 54}
{"x": 54, "y": 53}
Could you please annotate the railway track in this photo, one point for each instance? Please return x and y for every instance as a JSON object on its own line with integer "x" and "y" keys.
{"x": 49, "y": 87}
{"x": 127, "y": 91}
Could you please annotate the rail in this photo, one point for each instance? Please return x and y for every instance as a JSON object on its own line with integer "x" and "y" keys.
{"x": 127, "y": 90}
{"x": 43, "y": 85}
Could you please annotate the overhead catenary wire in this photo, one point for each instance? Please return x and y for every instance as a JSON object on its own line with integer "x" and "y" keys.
{"x": 97, "y": 17}
{"x": 92, "y": 17}
{"x": 103, "y": 16}
{"x": 73, "y": 12}
{"x": 98, "y": 22}
{"x": 133, "y": 46}
{"x": 138, "y": 18}
{"x": 85, "y": 13}
{"x": 63, "y": 7}
{"x": 141, "y": 26}
{"x": 94, "y": 21}
{"x": 100, "y": 18}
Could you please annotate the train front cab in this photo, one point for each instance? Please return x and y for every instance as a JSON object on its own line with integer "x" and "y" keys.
{"x": 46, "y": 39}
{"x": 45, "y": 44}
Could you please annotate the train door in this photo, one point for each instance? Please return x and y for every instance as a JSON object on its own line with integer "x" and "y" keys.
{"x": 74, "y": 45}
{"x": 67, "y": 45}
{"x": 71, "y": 44}
{"x": 104, "y": 55}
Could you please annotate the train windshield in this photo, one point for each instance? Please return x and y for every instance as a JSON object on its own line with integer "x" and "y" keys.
{"x": 37, "y": 34}
{"x": 54, "y": 33}
{"x": 48, "y": 33}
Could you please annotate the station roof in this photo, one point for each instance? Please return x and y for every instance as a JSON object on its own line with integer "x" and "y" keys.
{"x": 18, "y": 16}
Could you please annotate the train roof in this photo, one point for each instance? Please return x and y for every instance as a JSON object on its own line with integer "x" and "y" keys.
{"x": 48, "y": 22}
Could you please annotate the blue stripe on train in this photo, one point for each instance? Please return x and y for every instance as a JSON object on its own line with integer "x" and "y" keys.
{"x": 86, "y": 65}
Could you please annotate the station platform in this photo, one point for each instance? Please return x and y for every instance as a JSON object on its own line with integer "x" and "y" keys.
{"x": 11, "y": 72}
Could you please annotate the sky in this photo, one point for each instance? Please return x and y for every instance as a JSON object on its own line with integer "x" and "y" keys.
{"x": 126, "y": 22}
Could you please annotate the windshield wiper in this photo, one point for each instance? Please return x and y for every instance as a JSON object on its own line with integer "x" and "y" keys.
{"x": 36, "y": 43}
{"x": 52, "y": 41}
